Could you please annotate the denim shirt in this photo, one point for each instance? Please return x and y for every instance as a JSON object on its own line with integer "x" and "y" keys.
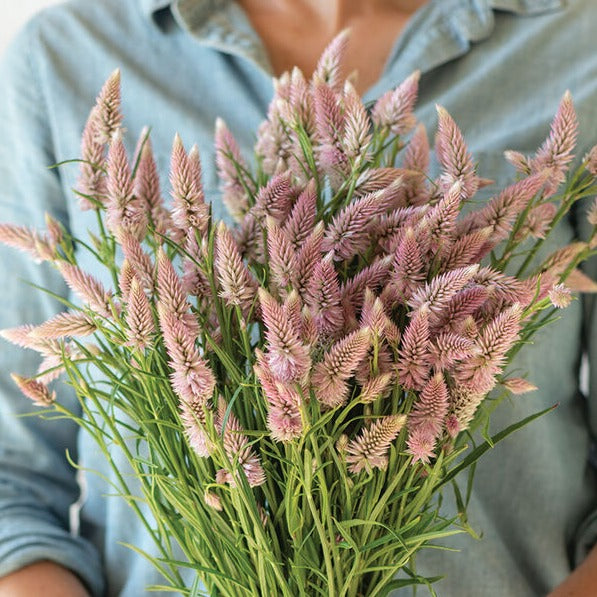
{"x": 500, "y": 67}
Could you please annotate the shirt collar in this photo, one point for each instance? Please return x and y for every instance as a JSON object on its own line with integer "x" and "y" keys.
{"x": 149, "y": 7}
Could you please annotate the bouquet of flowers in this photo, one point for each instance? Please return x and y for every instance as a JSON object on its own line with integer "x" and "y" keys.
{"x": 294, "y": 392}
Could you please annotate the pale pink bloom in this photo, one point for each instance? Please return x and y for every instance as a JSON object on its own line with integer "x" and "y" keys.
{"x": 591, "y": 161}
{"x": 461, "y": 305}
{"x": 125, "y": 277}
{"x": 282, "y": 258}
{"x": 87, "y": 288}
{"x": 373, "y": 276}
{"x": 347, "y": 234}
{"x": 440, "y": 220}
{"x": 292, "y": 308}
{"x": 328, "y": 69}
{"x": 377, "y": 362}
{"x": 35, "y": 390}
{"x": 560, "y": 259}
{"x": 309, "y": 332}
{"x": 421, "y": 444}
{"x": 324, "y": 298}
{"x": 394, "y": 109}
{"x": 231, "y": 169}
{"x": 284, "y": 415}
{"x": 308, "y": 257}
{"x": 557, "y": 150}
{"x": 194, "y": 279}
{"x": 416, "y": 154}
{"x": 518, "y": 385}
{"x": 194, "y": 419}
{"x": 191, "y": 377}
{"x": 413, "y": 364}
{"x": 92, "y": 175}
{"x": 109, "y": 116}
{"x": 374, "y": 316}
{"x": 376, "y": 179}
{"x": 464, "y": 402}
{"x": 238, "y": 287}
{"x": 502, "y": 288}
{"x": 52, "y": 366}
{"x": 301, "y": 220}
{"x": 431, "y": 407}
{"x": 356, "y": 137}
{"x": 249, "y": 239}
{"x": 338, "y": 365}
{"x": 288, "y": 357}
{"x": 125, "y": 212}
{"x": 189, "y": 210}
{"x": 448, "y": 348}
{"x": 146, "y": 186}
{"x": 55, "y": 230}
{"x": 388, "y": 229}
{"x": 519, "y": 161}
{"x": 139, "y": 317}
{"x": 64, "y": 324}
{"x": 275, "y": 198}
{"x": 592, "y": 213}
{"x": 468, "y": 249}
{"x": 437, "y": 293}
{"x": 454, "y": 157}
{"x": 369, "y": 450}
{"x": 212, "y": 500}
{"x": 28, "y": 240}
{"x": 139, "y": 261}
{"x": 560, "y": 296}
{"x": 238, "y": 450}
{"x": 537, "y": 222}
{"x": 409, "y": 266}
{"x": 376, "y": 387}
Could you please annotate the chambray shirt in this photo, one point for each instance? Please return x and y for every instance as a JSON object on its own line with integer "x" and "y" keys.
{"x": 499, "y": 66}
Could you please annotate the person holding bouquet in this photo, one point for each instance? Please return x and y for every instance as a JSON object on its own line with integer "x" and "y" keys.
{"x": 499, "y": 66}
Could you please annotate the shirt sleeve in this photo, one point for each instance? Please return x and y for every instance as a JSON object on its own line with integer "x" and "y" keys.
{"x": 37, "y": 483}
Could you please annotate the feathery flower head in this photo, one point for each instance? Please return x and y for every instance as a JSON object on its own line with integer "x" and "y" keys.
{"x": 369, "y": 449}
{"x": 87, "y": 288}
{"x": 64, "y": 324}
{"x": 212, "y": 500}
{"x": 328, "y": 69}
{"x": 560, "y": 296}
{"x": 35, "y": 390}
{"x": 413, "y": 363}
{"x": 28, "y": 240}
{"x": 288, "y": 357}
{"x": 139, "y": 317}
{"x": 109, "y": 116}
{"x": 324, "y": 298}
{"x": 591, "y": 161}
{"x": 518, "y": 385}
{"x": 394, "y": 109}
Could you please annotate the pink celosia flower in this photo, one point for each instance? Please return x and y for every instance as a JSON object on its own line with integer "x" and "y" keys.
{"x": 125, "y": 211}
{"x": 338, "y": 365}
{"x": 193, "y": 414}
{"x": 369, "y": 449}
{"x": 213, "y": 501}
{"x": 373, "y": 277}
{"x": 591, "y": 161}
{"x": 413, "y": 363}
{"x": 189, "y": 210}
{"x": 537, "y": 222}
{"x": 308, "y": 257}
{"x": 301, "y": 221}
{"x": 284, "y": 416}
{"x": 376, "y": 387}
{"x": 64, "y": 324}
{"x": 172, "y": 298}
{"x": 231, "y": 169}
{"x": 460, "y": 306}
{"x": 139, "y": 261}
{"x": 409, "y": 267}
{"x": 238, "y": 287}
{"x": 328, "y": 69}
{"x": 467, "y": 249}
{"x": 109, "y": 116}
{"x": 35, "y": 390}
{"x": 430, "y": 408}
{"x": 421, "y": 445}
{"x": 92, "y": 176}
{"x": 454, "y": 157}
{"x": 373, "y": 316}
{"x": 519, "y": 161}
{"x": 238, "y": 450}
{"x": 556, "y": 152}
{"x": 356, "y": 136}
{"x": 282, "y": 257}
{"x": 139, "y": 317}
{"x": 347, "y": 234}
{"x": 324, "y": 298}
{"x": 448, "y": 348}
{"x": 146, "y": 186}
{"x": 276, "y": 198}
{"x": 518, "y": 385}
{"x": 39, "y": 247}
{"x": 288, "y": 357}
{"x": 560, "y": 296}
{"x": 87, "y": 288}
{"x": 194, "y": 279}
{"x": 394, "y": 109}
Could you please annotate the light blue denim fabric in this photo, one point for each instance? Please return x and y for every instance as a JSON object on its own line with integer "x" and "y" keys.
{"x": 500, "y": 67}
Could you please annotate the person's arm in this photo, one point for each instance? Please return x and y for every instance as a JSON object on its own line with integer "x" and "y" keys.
{"x": 37, "y": 483}
{"x": 42, "y": 578}
{"x": 582, "y": 582}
